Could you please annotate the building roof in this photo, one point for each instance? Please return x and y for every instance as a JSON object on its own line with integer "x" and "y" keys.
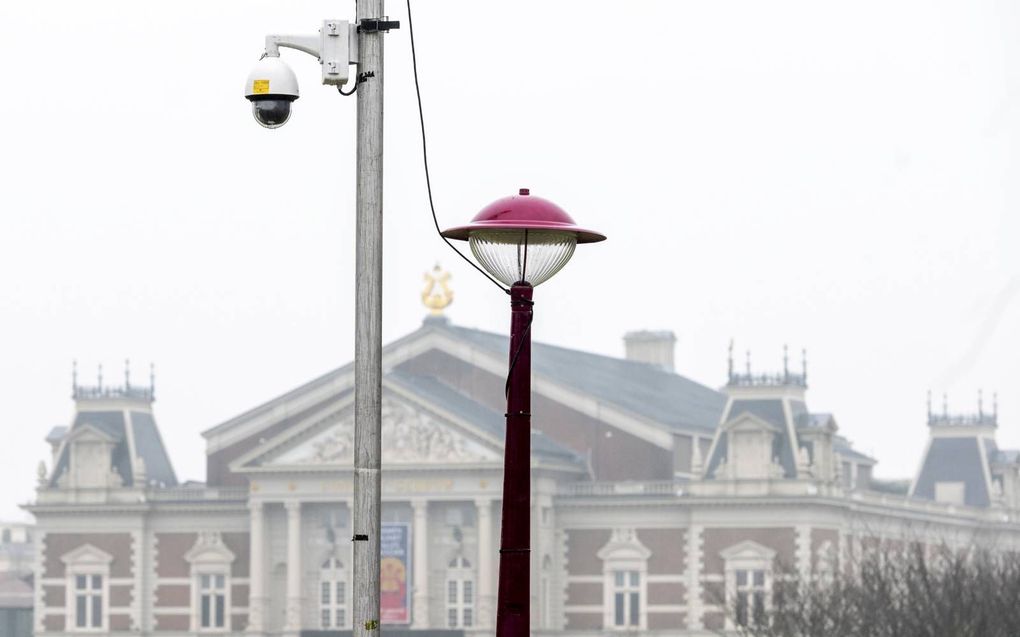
{"x": 955, "y": 460}
{"x": 663, "y": 397}
{"x": 145, "y": 440}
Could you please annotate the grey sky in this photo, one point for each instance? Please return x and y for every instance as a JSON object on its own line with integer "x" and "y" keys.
{"x": 836, "y": 176}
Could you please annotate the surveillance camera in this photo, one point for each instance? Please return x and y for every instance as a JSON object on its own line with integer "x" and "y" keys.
{"x": 271, "y": 87}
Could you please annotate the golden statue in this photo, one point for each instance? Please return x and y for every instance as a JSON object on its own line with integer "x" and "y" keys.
{"x": 437, "y": 299}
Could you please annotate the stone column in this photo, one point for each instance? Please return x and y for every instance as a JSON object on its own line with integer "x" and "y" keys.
{"x": 486, "y": 555}
{"x": 257, "y": 570}
{"x": 294, "y": 568}
{"x": 420, "y": 566}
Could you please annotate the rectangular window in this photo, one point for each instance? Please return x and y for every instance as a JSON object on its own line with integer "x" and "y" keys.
{"x": 88, "y": 602}
{"x": 468, "y": 618}
{"x": 626, "y": 598}
{"x": 451, "y": 592}
{"x": 324, "y": 618}
{"x": 468, "y": 591}
{"x": 750, "y": 597}
{"x": 324, "y": 594}
{"x": 451, "y": 618}
{"x": 212, "y": 601}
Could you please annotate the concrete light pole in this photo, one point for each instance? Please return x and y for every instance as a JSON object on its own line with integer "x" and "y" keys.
{"x": 368, "y": 327}
{"x": 272, "y": 88}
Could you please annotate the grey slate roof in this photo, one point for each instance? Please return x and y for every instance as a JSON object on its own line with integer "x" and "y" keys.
{"x": 954, "y": 460}
{"x": 148, "y": 446}
{"x": 491, "y": 421}
{"x": 842, "y": 446}
{"x": 640, "y": 388}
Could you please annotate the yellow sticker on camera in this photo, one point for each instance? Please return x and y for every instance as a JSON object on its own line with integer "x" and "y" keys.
{"x": 260, "y": 87}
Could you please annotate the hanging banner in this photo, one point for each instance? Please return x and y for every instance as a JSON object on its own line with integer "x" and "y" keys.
{"x": 395, "y": 567}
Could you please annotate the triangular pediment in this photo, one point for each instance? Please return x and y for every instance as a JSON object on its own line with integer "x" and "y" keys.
{"x": 412, "y": 433}
{"x": 87, "y": 555}
{"x": 746, "y": 421}
{"x": 88, "y": 432}
{"x": 747, "y": 550}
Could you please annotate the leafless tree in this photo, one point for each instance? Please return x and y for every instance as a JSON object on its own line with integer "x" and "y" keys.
{"x": 910, "y": 591}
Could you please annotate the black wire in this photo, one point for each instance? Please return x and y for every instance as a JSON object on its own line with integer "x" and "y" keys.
{"x": 425, "y": 157}
{"x": 352, "y": 91}
{"x": 517, "y": 354}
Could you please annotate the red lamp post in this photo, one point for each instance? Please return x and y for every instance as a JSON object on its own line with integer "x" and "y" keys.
{"x": 522, "y": 241}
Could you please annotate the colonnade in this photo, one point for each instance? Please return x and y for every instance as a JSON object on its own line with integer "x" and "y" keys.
{"x": 258, "y": 602}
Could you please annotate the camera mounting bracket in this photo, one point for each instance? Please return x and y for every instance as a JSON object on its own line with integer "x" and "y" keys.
{"x": 336, "y": 48}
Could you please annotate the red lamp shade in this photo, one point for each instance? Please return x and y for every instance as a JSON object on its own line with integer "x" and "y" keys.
{"x": 522, "y": 239}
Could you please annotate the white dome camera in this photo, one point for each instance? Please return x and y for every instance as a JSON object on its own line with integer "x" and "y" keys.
{"x": 271, "y": 88}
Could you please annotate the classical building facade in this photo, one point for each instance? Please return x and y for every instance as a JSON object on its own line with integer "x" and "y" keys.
{"x": 660, "y": 505}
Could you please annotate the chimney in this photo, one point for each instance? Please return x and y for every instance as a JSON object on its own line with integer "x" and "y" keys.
{"x": 655, "y": 348}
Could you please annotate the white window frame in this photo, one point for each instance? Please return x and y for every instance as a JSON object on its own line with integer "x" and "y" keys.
{"x": 332, "y": 574}
{"x": 624, "y": 553}
{"x": 749, "y": 557}
{"x": 87, "y": 561}
{"x": 214, "y": 592}
{"x": 461, "y": 576}
{"x": 209, "y": 557}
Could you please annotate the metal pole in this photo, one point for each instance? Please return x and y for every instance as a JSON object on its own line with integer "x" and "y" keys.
{"x": 368, "y": 327}
{"x": 513, "y": 613}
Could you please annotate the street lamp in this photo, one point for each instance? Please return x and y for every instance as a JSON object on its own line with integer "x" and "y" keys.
{"x": 522, "y": 241}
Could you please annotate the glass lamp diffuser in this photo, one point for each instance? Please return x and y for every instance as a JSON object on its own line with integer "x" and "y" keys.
{"x": 522, "y": 239}
{"x": 515, "y": 256}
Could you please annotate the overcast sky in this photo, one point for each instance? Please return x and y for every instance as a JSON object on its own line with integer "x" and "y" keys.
{"x": 836, "y": 176}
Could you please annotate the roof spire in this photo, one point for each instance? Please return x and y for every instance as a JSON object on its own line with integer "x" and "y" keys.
{"x": 929, "y": 406}
{"x": 74, "y": 378}
{"x": 729, "y": 373}
{"x": 100, "y": 376}
{"x": 786, "y": 363}
{"x": 127, "y": 373}
{"x": 803, "y": 364}
{"x": 981, "y": 401}
{"x": 152, "y": 381}
{"x": 747, "y": 362}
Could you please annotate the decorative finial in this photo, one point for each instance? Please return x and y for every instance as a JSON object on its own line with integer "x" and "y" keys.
{"x": 100, "y": 376}
{"x": 981, "y": 401}
{"x": 929, "y": 405}
{"x": 74, "y": 378}
{"x": 747, "y": 362}
{"x": 786, "y": 363}
{"x": 803, "y": 363}
{"x": 437, "y": 299}
{"x": 945, "y": 405}
{"x": 41, "y": 473}
{"x": 127, "y": 373}
{"x": 729, "y": 367}
{"x": 152, "y": 381}
{"x": 995, "y": 405}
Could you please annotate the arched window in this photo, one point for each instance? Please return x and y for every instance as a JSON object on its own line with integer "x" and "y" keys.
{"x": 332, "y": 594}
{"x": 460, "y": 594}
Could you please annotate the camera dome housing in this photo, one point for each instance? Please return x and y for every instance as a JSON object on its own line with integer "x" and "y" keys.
{"x": 271, "y": 87}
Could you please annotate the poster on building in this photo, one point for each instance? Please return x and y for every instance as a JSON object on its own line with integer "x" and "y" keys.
{"x": 394, "y": 566}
